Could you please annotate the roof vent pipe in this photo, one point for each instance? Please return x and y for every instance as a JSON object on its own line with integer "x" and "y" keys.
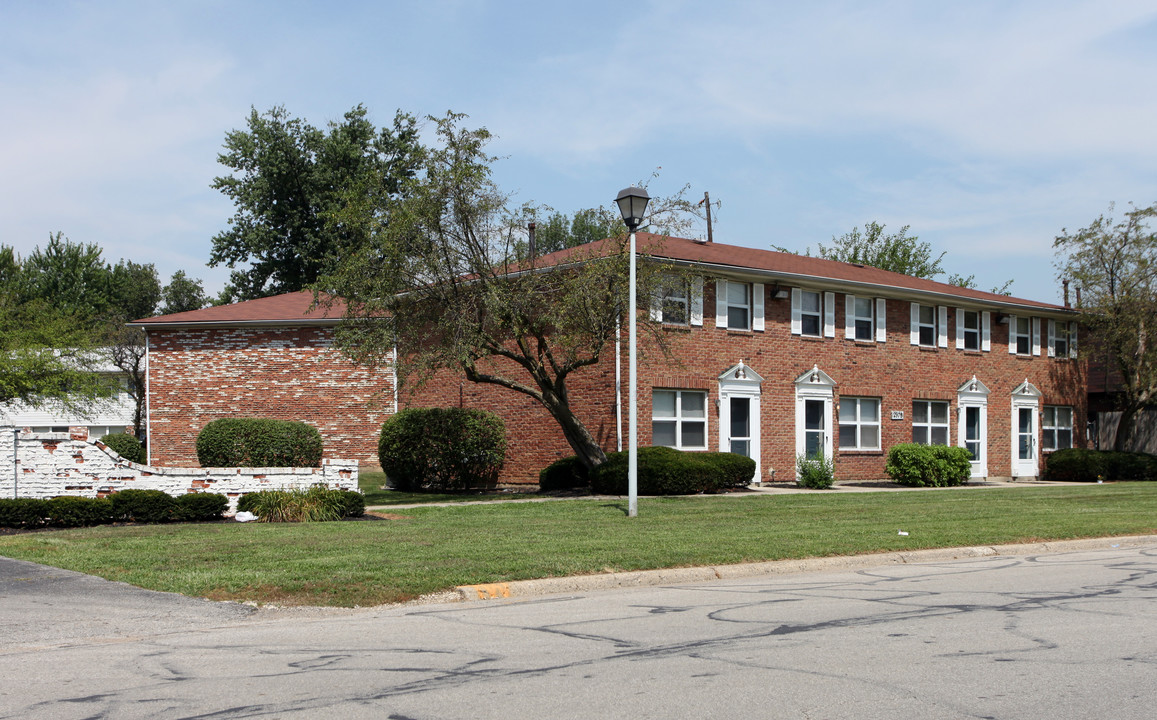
{"x": 1065, "y": 283}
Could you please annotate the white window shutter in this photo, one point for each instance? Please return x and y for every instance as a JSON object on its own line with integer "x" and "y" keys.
{"x": 757, "y": 307}
{"x": 850, "y": 317}
{"x": 829, "y": 314}
{"x": 986, "y": 331}
{"x": 914, "y": 326}
{"x": 959, "y": 328}
{"x": 942, "y": 327}
{"x": 881, "y": 321}
{"x": 1036, "y": 336}
{"x": 1052, "y": 341}
{"x": 697, "y": 301}
{"x": 796, "y": 303}
{"x": 1012, "y": 334}
{"x": 721, "y": 304}
{"x": 1073, "y": 340}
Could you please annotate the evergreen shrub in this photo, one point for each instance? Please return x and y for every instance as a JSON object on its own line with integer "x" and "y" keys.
{"x": 143, "y": 506}
{"x": 201, "y": 507}
{"x": 442, "y": 449}
{"x": 928, "y": 465}
{"x": 23, "y": 513}
{"x": 259, "y": 442}
{"x": 125, "y": 445}
{"x": 1081, "y": 465}
{"x": 566, "y": 473}
{"x": 666, "y": 471}
{"x": 69, "y": 511}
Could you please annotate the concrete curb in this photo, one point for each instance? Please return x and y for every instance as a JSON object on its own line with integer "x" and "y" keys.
{"x": 685, "y": 576}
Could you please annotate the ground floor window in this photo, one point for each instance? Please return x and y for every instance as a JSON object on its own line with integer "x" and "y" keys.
{"x": 1057, "y": 427}
{"x": 859, "y": 423}
{"x": 679, "y": 419}
{"x": 929, "y": 422}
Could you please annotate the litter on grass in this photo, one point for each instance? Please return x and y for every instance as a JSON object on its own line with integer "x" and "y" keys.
{"x": 902, "y": 532}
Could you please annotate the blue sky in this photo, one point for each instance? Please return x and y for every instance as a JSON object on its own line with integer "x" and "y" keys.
{"x": 988, "y": 127}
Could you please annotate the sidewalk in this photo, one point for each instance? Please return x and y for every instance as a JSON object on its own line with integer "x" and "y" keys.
{"x": 777, "y": 488}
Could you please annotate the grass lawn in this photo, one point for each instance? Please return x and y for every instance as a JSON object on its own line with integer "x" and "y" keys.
{"x": 423, "y": 550}
{"x": 371, "y": 484}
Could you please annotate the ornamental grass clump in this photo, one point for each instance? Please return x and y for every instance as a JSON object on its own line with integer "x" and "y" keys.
{"x": 816, "y": 472}
{"x": 317, "y": 504}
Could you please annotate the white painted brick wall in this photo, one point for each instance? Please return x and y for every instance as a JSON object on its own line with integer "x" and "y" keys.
{"x": 52, "y": 464}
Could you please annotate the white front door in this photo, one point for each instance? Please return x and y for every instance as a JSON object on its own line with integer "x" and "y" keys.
{"x": 814, "y": 391}
{"x": 1025, "y": 430}
{"x": 739, "y": 391}
{"x": 973, "y": 438}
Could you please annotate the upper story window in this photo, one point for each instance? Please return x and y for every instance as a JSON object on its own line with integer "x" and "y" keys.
{"x": 679, "y": 301}
{"x": 929, "y": 422}
{"x": 810, "y": 313}
{"x": 1023, "y": 335}
{"x": 679, "y": 419}
{"x": 864, "y": 318}
{"x": 970, "y": 329}
{"x": 1062, "y": 339}
{"x": 859, "y": 423}
{"x": 738, "y": 305}
{"x": 1057, "y": 427}
{"x": 929, "y": 325}
{"x": 676, "y": 302}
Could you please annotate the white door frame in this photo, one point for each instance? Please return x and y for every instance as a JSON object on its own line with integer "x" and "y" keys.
{"x": 815, "y": 384}
{"x": 740, "y": 381}
{"x": 973, "y": 394}
{"x": 1025, "y": 397}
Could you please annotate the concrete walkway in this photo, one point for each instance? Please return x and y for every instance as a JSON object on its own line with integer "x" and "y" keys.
{"x": 778, "y": 488}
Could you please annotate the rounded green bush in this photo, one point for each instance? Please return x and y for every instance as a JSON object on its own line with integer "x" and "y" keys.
{"x": 666, "y": 471}
{"x": 70, "y": 511}
{"x": 565, "y": 473}
{"x": 1080, "y": 465}
{"x": 201, "y": 507}
{"x": 928, "y": 465}
{"x": 817, "y": 473}
{"x": 355, "y": 503}
{"x": 23, "y": 513}
{"x": 143, "y": 506}
{"x": 259, "y": 442}
{"x": 442, "y": 449}
{"x": 125, "y": 445}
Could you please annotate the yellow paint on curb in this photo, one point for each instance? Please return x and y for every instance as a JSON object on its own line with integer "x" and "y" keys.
{"x": 489, "y": 591}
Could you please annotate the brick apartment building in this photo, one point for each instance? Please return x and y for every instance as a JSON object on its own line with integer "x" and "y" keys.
{"x": 772, "y": 355}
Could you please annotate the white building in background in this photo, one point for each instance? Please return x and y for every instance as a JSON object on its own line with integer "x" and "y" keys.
{"x": 111, "y": 415}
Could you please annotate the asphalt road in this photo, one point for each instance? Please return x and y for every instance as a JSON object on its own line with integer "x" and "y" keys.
{"x": 1070, "y": 635}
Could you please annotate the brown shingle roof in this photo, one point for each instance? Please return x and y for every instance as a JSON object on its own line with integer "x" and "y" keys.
{"x": 288, "y": 309}
{"x": 791, "y": 269}
{"x": 766, "y": 265}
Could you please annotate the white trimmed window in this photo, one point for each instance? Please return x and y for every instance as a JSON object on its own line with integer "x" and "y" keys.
{"x": 676, "y": 302}
{"x": 1062, "y": 339}
{"x": 929, "y": 422}
{"x": 968, "y": 329}
{"x": 859, "y": 423}
{"x": 929, "y": 326}
{"x": 1020, "y": 335}
{"x": 679, "y": 419}
{"x": 738, "y": 306}
{"x": 864, "y": 318}
{"x": 810, "y": 313}
{"x": 1056, "y": 427}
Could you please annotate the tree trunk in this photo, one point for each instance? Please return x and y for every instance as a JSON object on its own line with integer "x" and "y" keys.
{"x": 585, "y": 446}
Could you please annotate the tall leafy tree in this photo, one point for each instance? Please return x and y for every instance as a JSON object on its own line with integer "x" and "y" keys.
{"x": 436, "y": 282}
{"x": 897, "y": 251}
{"x": 560, "y": 231}
{"x": 1114, "y": 262}
{"x": 304, "y": 197}
{"x": 182, "y": 294}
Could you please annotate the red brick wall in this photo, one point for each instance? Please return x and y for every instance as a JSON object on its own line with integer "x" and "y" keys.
{"x": 196, "y": 376}
{"x": 895, "y": 371}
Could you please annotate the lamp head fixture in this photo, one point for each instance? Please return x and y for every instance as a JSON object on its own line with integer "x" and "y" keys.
{"x": 632, "y": 204}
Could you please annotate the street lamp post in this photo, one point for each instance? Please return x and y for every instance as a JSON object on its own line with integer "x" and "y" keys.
{"x": 632, "y": 204}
